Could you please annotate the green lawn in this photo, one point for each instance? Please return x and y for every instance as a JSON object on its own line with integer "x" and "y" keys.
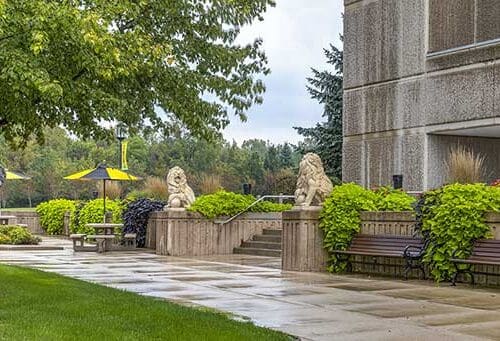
{"x": 40, "y": 306}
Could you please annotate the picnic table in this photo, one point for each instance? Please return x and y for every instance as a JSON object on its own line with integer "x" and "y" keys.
{"x": 105, "y": 234}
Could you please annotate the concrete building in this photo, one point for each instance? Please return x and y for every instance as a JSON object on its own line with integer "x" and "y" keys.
{"x": 420, "y": 76}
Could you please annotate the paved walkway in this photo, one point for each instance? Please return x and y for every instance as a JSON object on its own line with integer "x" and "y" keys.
{"x": 311, "y": 306}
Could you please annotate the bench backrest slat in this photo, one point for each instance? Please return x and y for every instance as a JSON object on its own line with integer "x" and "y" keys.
{"x": 383, "y": 243}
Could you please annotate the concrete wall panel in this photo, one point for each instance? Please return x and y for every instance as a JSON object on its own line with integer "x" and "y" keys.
{"x": 461, "y": 96}
{"x": 386, "y": 41}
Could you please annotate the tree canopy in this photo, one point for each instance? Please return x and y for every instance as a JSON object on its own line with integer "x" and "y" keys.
{"x": 325, "y": 138}
{"x": 161, "y": 64}
{"x": 208, "y": 165}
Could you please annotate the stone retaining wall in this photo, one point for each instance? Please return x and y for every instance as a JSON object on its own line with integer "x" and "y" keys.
{"x": 388, "y": 223}
{"x": 29, "y": 218}
{"x": 182, "y": 233}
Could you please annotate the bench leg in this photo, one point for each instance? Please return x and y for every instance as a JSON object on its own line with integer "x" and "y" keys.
{"x": 101, "y": 245}
{"x": 467, "y": 271}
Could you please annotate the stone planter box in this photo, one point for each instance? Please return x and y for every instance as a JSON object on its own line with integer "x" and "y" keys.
{"x": 388, "y": 223}
{"x": 183, "y": 233}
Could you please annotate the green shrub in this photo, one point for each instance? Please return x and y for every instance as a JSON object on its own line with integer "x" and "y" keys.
{"x": 51, "y": 214}
{"x": 340, "y": 217}
{"x": 74, "y": 219}
{"x": 17, "y": 235}
{"x": 93, "y": 212}
{"x": 389, "y": 199}
{"x": 453, "y": 218}
{"x": 223, "y": 203}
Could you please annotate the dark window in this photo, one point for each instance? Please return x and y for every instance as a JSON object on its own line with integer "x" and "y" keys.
{"x": 488, "y": 20}
{"x": 455, "y": 23}
{"x": 451, "y": 24}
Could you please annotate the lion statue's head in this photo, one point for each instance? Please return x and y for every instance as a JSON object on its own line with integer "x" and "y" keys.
{"x": 313, "y": 185}
{"x": 180, "y": 194}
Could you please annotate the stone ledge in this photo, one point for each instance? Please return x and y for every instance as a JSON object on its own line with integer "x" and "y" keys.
{"x": 30, "y": 248}
{"x": 406, "y": 216}
{"x": 183, "y": 214}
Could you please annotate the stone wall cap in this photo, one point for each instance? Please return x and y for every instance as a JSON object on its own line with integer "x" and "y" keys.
{"x": 304, "y": 213}
{"x": 492, "y": 217}
{"x": 388, "y": 216}
{"x": 184, "y": 214}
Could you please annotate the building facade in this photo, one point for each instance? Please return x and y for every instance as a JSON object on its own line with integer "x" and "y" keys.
{"x": 420, "y": 76}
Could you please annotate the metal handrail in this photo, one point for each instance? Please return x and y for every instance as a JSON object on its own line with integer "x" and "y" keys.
{"x": 253, "y": 204}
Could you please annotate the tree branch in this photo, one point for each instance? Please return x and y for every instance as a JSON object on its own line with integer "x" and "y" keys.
{"x": 79, "y": 74}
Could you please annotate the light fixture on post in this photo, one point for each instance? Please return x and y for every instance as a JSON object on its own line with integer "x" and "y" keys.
{"x": 121, "y": 136}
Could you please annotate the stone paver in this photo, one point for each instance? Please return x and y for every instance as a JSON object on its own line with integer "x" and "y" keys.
{"x": 309, "y": 305}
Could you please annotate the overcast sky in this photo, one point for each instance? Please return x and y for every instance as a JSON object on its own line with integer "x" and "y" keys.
{"x": 295, "y": 33}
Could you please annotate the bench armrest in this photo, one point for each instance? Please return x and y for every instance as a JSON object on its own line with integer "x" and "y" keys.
{"x": 420, "y": 249}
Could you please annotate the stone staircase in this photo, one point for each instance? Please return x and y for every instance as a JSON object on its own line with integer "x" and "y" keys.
{"x": 266, "y": 244}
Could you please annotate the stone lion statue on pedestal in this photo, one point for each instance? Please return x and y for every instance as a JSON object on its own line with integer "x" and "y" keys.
{"x": 313, "y": 186}
{"x": 180, "y": 194}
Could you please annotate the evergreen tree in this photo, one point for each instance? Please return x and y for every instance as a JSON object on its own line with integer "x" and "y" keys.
{"x": 325, "y": 139}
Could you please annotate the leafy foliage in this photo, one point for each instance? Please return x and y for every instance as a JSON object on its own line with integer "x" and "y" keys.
{"x": 325, "y": 139}
{"x": 389, "y": 199}
{"x": 224, "y": 203}
{"x": 78, "y": 63}
{"x": 453, "y": 218}
{"x": 148, "y": 156}
{"x": 340, "y": 217}
{"x": 52, "y": 212}
{"x": 17, "y": 235}
{"x": 135, "y": 217}
{"x": 93, "y": 212}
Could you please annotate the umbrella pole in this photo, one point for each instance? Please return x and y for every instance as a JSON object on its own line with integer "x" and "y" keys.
{"x": 104, "y": 198}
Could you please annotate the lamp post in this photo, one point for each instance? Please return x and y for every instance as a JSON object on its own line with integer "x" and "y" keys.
{"x": 121, "y": 135}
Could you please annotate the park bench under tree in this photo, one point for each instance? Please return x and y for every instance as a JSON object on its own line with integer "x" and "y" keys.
{"x": 411, "y": 249}
{"x": 484, "y": 252}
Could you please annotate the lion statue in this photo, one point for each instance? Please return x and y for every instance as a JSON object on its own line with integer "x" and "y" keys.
{"x": 180, "y": 194}
{"x": 313, "y": 186}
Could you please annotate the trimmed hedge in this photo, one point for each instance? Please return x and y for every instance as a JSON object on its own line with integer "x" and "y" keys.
{"x": 223, "y": 203}
{"x": 51, "y": 214}
{"x": 93, "y": 212}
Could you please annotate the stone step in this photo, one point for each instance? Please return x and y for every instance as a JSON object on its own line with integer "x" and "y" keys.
{"x": 262, "y": 245}
{"x": 257, "y": 252}
{"x": 271, "y": 232}
{"x": 266, "y": 238}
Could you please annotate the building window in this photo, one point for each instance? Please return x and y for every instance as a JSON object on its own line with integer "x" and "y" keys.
{"x": 456, "y": 23}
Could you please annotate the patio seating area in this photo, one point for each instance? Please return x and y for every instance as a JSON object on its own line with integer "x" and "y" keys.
{"x": 104, "y": 240}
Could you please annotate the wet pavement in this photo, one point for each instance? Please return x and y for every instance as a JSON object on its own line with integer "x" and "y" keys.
{"x": 311, "y": 306}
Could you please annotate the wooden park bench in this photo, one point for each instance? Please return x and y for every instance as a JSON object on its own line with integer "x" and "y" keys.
{"x": 484, "y": 252}
{"x": 411, "y": 249}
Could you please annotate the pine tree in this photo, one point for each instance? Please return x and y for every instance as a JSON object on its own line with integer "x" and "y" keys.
{"x": 325, "y": 138}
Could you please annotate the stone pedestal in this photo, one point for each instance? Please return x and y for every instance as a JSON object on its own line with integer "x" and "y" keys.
{"x": 303, "y": 240}
{"x": 493, "y": 220}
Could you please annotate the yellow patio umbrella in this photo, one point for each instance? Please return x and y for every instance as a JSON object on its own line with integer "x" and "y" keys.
{"x": 9, "y": 175}
{"x": 104, "y": 173}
